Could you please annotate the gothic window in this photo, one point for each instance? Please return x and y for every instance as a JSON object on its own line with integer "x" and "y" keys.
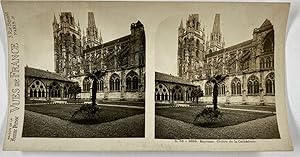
{"x": 114, "y": 82}
{"x": 270, "y": 84}
{"x": 100, "y": 85}
{"x": 86, "y": 85}
{"x": 37, "y": 89}
{"x": 253, "y": 85}
{"x": 161, "y": 93}
{"x": 208, "y": 89}
{"x": 177, "y": 93}
{"x": 236, "y": 86}
{"x": 132, "y": 81}
{"x": 189, "y": 94}
{"x": 55, "y": 90}
{"x": 221, "y": 89}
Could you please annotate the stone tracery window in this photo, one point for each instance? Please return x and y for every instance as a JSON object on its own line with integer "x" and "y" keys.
{"x": 221, "y": 89}
{"x": 37, "y": 89}
{"x": 55, "y": 90}
{"x": 100, "y": 85}
{"x": 132, "y": 81}
{"x": 270, "y": 84}
{"x": 189, "y": 94}
{"x": 236, "y": 87}
{"x": 114, "y": 82}
{"x": 208, "y": 89}
{"x": 253, "y": 85}
{"x": 177, "y": 93}
{"x": 86, "y": 85}
{"x": 161, "y": 93}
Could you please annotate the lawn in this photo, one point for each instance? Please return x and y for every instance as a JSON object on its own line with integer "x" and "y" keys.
{"x": 253, "y": 107}
{"x": 65, "y": 111}
{"x": 188, "y": 114}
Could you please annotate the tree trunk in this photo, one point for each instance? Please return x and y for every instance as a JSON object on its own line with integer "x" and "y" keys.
{"x": 197, "y": 99}
{"x": 94, "y": 91}
{"x": 215, "y": 96}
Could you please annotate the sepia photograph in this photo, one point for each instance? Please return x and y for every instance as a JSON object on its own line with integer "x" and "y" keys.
{"x": 79, "y": 77}
{"x": 81, "y": 80}
{"x": 221, "y": 82}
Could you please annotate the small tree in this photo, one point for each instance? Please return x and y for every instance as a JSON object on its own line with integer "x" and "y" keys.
{"x": 74, "y": 90}
{"x": 197, "y": 93}
{"x": 95, "y": 76}
{"x": 216, "y": 80}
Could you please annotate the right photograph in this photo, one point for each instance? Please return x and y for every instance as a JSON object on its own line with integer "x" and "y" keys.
{"x": 215, "y": 77}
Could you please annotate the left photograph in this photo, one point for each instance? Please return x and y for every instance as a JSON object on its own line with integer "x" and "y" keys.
{"x": 84, "y": 76}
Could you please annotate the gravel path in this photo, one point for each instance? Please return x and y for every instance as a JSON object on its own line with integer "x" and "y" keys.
{"x": 265, "y": 128}
{"x": 39, "y": 125}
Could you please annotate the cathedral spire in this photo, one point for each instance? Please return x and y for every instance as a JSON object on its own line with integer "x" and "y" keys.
{"x": 54, "y": 20}
{"x": 91, "y": 20}
{"x": 216, "y": 27}
{"x": 181, "y": 25}
{"x": 216, "y": 43}
{"x": 92, "y": 34}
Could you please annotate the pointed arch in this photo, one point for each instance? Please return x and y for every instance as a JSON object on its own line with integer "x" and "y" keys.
{"x": 114, "y": 82}
{"x": 161, "y": 93}
{"x": 100, "y": 85}
{"x": 177, "y": 93}
{"x": 188, "y": 94}
{"x": 132, "y": 81}
{"x": 253, "y": 85}
{"x": 55, "y": 90}
{"x": 86, "y": 84}
{"x": 37, "y": 89}
{"x": 270, "y": 84}
{"x": 236, "y": 87}
{"x": 208, "y": 89}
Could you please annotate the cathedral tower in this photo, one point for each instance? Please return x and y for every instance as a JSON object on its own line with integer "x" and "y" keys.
{"x": 216, "y": 41}
{"x": 191, "y": 48}
{"x": 92, "y": 37}
{"x": 67, "y": 44}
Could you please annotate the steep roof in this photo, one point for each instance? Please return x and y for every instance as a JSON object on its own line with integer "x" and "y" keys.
{"x": 265, "y": 26}
{"x": 109, "y": 43}
{"x": 38, "y": 73}
{"x": 171, "y": 79}
{"x": 242, "y": 44}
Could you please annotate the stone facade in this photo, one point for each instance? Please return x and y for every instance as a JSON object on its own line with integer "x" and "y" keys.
{"x": 249, "y": 64}
{"x": 123, "y": 59}
{"x": 192, "y": 46}
{"x": 250, "y": 67}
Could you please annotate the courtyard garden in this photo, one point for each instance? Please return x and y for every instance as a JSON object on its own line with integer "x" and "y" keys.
{"x": 55, "y": 120}
{"x": 180, "y": 123}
